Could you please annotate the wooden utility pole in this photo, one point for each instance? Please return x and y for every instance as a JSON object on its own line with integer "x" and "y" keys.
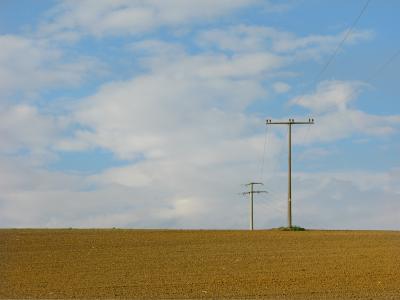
{"x": 290, "y": 123}
{"x": 251, "y": 193}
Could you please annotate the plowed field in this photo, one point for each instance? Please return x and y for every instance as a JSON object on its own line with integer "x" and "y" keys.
{"x": 199, "y": 264}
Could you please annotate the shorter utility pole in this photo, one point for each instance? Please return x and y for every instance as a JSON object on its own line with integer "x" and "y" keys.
{"x": 251, "y": 193}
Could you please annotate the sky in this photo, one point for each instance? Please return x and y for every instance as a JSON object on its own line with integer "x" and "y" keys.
{"x": 151, "y": 114}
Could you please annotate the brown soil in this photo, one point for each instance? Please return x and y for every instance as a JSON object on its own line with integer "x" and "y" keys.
{"x": 36, "y": 263}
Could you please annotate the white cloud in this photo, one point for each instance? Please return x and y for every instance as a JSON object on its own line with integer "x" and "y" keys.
{"x": 35, "y": 197}
{"x": 336, "y": 118}
{"x": 245, "y": 38}
{"x": 195, "y": 198}
{"x": 319, "y": 43}
{"x": 241, "y": 66}
{"x": 278, "y": 6}
{"x": 281, "y": 87}
{"x": 330, "y": 96}
{"x": 185, "y": 122}
{"x": 157, "y": 48}
{"x": 356, "y": 200}
{"x": 24, "y": 128}
{"x": 241, "y": 38}
{"x": 314, "y": 153}
{"x": 198, "y": 99}
{"x": 171, "y": 60}
{"x": 102, "y": 17}
{"x": 28, "y": 65}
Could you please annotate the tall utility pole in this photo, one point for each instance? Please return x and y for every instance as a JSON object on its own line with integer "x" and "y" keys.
{"x": 251, "y": 193}
{"x": 290, "y": 123}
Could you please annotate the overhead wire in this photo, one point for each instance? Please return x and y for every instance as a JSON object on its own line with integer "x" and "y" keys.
{"x": 383, "y": 66}
{"x": 337, "y": 49}
{"x": 339, "y": 46}
{"x": 373, "y": 76}
{"x": 304, "y": 137}
{"x": 263, "y": 155}
{"x": 321, "y": 72}
{"x": 346, "y": 36}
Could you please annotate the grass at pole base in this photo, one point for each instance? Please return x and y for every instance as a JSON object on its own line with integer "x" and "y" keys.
{"x": 293, "y": 228}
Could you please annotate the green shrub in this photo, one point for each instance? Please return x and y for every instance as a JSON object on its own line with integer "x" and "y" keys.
{"x": 293, "y": 228}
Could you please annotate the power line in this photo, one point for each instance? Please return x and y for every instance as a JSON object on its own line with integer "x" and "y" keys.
{"x": 263, "y": 155}
{"x": 383, "y": 66}
{"x": 346, "y": 36}
{"x": 334, "y": 54}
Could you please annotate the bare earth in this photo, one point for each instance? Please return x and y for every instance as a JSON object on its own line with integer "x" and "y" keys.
{"x": 39, "y": 263}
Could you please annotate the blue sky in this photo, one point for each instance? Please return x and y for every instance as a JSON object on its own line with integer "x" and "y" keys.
{"x": 150, "y": 114}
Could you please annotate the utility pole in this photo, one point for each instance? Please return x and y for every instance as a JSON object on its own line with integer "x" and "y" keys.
{"x": 290, "y": 123}
{"x": 251, "y": 193}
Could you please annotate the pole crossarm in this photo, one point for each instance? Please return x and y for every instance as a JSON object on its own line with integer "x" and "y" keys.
{"x": 254, "y": 192}
{"x": 290, "y": 122}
